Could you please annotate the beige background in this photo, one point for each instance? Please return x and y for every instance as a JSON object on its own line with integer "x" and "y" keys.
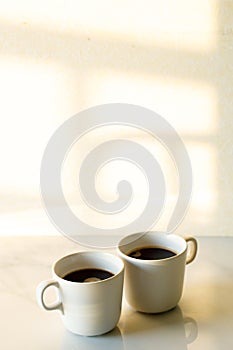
{"x": 60, "y": 57}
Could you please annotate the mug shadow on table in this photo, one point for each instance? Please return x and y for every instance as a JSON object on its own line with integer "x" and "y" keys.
{"x": 136, "y": 330}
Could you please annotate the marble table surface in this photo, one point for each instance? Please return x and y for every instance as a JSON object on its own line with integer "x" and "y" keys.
{"x": 202, "y": 320}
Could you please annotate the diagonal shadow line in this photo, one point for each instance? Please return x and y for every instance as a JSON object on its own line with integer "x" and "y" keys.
{"x": 104, "y": 52}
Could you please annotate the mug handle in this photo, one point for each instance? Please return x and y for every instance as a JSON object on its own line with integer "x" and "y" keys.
{"x": 192, "y": 249}
{"x": 40, "y": 296}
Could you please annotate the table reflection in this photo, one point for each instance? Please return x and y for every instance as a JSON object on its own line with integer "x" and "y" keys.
{"x": 109, "y": 341}
{"x": 168, "y": 330}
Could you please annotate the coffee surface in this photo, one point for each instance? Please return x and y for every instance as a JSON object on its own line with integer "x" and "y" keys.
{"x": 88, "y": 275}
{"x": 151, "y": 253}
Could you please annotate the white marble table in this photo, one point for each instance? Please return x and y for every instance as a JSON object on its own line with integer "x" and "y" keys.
{"x": 203, "y": 319}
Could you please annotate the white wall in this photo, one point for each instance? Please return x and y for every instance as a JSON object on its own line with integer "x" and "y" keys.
{"x": 60, "y": 57}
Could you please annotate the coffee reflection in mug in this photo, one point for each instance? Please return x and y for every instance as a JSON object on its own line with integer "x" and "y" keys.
{"x": 109, "y": 341}
{"x": 169, "y": 330}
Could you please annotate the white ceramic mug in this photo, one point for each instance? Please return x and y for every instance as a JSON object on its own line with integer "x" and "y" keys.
{"x": 87, "y": 308}
{"x": 154, "y": 286}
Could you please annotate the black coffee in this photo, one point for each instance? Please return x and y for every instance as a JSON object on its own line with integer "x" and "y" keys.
{"x": 151, "y": 253}
{"x": 87, "y": 275}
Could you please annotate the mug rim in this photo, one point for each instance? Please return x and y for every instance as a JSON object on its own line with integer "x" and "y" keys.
{"x": 141, "y": 234}
{"x": 91, "y": 252}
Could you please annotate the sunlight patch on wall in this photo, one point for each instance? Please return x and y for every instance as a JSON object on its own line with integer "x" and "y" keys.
{"x": 111, "y": 174}
{"x": 28, "y": 103}
{"x": 205, "y": 192}
{"x": 191, "y": 108}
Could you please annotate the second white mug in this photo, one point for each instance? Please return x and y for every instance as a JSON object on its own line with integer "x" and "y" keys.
{"x": 155, "y": 286}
